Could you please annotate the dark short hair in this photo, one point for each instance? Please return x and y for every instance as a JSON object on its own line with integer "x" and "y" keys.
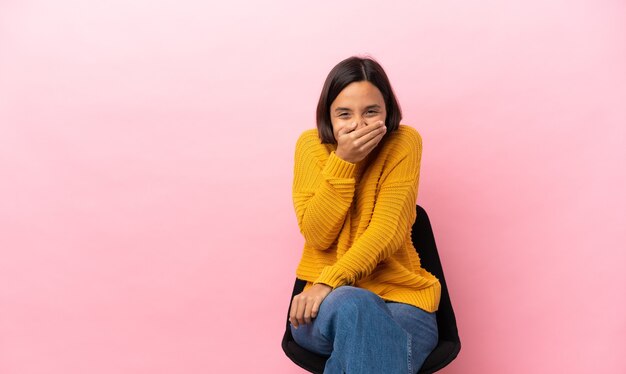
{"x": 355, "y": 69}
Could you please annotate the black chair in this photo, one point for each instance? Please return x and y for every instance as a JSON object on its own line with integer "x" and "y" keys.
{"x": 449, "y": 343}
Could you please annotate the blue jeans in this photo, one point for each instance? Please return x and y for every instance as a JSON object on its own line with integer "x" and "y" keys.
{"x": 364, "y": 334}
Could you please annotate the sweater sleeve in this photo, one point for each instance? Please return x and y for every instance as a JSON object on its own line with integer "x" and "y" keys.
{"x": 322, "y": 192}
{"x": 392, "y": 219}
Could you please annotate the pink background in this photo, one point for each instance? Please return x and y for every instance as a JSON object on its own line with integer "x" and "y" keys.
{"x": 146, "y": 157}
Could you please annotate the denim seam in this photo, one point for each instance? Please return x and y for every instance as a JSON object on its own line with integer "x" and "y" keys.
{"x": 409, "y": 352}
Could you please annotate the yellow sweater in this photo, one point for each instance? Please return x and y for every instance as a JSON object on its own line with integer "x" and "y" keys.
{"x": 356, "y": 219}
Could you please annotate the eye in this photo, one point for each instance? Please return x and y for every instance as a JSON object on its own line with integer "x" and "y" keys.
{"x": 342, "y": 114}
{"x": 371, "y": 112}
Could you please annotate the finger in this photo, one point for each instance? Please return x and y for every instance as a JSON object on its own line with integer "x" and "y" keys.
{"x": 364, "y": 141}
{"x": 292, "y": 312}
{"x": 300, "y": 312}
{"x": 369, "y": 129}
{"x": 372, "y": 143}
{"x": 347, "y": 129}
{"x": 316, "y": 308}
{"x": 307, "y": 311}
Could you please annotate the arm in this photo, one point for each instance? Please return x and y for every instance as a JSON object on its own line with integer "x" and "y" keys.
{"x": 392, "y": 219}
{"x": 322, "y": 193}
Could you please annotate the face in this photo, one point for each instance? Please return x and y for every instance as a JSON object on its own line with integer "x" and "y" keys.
{"x": 359, "y": 102}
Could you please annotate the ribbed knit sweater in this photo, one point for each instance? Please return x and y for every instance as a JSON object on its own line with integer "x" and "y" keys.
{"x": 356, "y": 218}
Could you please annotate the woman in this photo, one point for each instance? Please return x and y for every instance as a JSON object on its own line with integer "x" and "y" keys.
{"x": 367, "y": 303}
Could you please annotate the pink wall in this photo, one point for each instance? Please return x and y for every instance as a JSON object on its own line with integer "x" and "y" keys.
{"x": 146, "y": 155}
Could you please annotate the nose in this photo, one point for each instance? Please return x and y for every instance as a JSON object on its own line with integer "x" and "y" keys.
{"x": 360, "y": 121}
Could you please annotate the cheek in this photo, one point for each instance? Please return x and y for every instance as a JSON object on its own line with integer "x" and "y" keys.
{"x": 378, "y": 117}
{"x": 383, "y": 117}
{"x": 337, "y": 123}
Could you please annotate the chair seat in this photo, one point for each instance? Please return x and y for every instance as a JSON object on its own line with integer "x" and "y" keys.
{"x": 445, "y": 351}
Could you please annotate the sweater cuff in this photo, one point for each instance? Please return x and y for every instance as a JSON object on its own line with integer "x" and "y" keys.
{"x": 338, "y": 167}
{"x": 332, "y": 276}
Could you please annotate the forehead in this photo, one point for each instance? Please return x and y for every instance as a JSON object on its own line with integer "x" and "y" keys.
{"x": 358, "y": 94}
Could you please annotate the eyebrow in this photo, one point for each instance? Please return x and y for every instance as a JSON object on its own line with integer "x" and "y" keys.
{"x": 342, "y": 109}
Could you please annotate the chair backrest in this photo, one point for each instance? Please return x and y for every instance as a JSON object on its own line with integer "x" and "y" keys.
{"x": 449, "y": 343}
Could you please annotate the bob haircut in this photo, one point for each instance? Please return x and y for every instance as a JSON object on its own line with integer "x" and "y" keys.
{"x": 355, "y": 69}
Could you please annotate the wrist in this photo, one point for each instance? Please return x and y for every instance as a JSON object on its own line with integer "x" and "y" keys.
{"x": 343, "y": 157}
{"x": 323, "y": 285}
